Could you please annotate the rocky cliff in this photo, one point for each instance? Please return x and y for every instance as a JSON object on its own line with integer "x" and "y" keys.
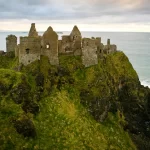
{"x": 72, "y": 107}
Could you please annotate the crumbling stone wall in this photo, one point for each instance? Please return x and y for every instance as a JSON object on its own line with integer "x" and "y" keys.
{"x": 100, "y": 47}
{"x": 109, "y": 48}
{"x": 49, "y": 46}
{"x": 17, "y": 48}
{"x": 71, "y": 44}
{"x": 11, "y": 43}
{"x": 2, "y": 52}
{"x": 29, "y": 49}
{"x": 76, "y": 39}
{"x": 59, "y": 46}
{"x": 33, "y": 46}
{"x": 113, "y": 47}
{"x": 66, "y": 45}
{"x": 89, "y": 52}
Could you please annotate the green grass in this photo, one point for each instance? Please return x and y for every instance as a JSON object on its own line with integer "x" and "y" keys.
{"x": 67, "y": 125}
{"x": 8, "y": 61}
{"x": 63, "y": 123}
{"x": 10, "y": 78}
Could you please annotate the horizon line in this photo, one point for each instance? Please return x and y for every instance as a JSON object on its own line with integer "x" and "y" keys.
{"x": 81, "y": 31}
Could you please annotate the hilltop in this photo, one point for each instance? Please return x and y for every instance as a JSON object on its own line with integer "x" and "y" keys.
{"x": 70, "y": 106}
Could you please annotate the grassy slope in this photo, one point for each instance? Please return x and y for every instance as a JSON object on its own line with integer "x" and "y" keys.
{"x": 63, "y": 123}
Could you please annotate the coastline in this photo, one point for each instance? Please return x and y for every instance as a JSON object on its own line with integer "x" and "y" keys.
{"x": 145, "y": 83}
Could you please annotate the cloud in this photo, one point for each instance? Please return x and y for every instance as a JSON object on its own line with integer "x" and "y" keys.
{"x": 85, "y": 11}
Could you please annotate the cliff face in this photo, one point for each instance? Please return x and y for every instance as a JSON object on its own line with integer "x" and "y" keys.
{"x": 72, "y": 107}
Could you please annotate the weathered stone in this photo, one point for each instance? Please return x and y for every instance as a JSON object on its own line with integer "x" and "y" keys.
{"x": 33, "y": 46}
{"x": 33, "y": 32}
{"x": 29, "y": 49}
{"x": 50, "y": 46}
{"x": 66, "y": 45}
{"x": 17, "y": 50}
{"x": 100, "y": 47}
{"x": 11, "y": 43}
{"x": 71, "y": 44}
{"x": 76, "y": 40}
{"x": 2, "y": 52}
{"x": 75, "y": 32}
{"x": 113, "y": 48}
{"x": 108, "y": 42}
{"x": 89, "y": 51}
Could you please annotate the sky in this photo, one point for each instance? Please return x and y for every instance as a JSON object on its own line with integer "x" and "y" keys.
{"x": 88, "y": 15}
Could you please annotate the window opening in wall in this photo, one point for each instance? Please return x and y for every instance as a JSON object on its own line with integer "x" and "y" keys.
{"x": 74, "y": 37}
{"x": 27, "y": 51}
{"x": 48, "y": 46}
{"x": 67, "y": 49}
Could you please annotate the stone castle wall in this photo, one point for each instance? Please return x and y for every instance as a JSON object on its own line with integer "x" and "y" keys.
{"x": 17, "y": 50}
{"x": 49, "y": 45}
{"x": 89, "y": 52}
{"x": 100, "y": 47}
{"x": 76, "y": 40}
{"x": 109, "y": 48}
{"x": 65, "y": 45}
{"x": 33, "y": 46}
{"x": 71, "y": 44}
{"x": 11, "y": 43}
{"x": 29, "y": 49}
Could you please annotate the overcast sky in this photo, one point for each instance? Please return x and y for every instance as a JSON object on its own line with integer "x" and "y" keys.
{"x": 89, "y": 15}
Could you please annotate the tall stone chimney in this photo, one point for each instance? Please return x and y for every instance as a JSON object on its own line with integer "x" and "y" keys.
{"x": 33, "y": 32}
{"x": 108, "y": 43}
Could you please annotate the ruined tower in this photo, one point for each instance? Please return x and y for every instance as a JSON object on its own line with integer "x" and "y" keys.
{"x": 33, "y": 32}
{"x": 11, "y": 43}
{"x": 49, "y": 45}
{"x": 108, "y": 44}
{"x": 30, "y": 47}
{"x": 100, "y": 47}
{"x": 76, "y": 40}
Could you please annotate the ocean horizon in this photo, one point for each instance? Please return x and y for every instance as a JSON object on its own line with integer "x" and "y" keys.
{"x": 136, "y": 45}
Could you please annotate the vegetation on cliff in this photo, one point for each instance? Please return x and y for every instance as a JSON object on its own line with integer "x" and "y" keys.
{"x": 72, "y": 107}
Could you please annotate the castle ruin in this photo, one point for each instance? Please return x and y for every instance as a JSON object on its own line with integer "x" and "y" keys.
{"x": 11, "y": 43}
{"x": 33, "y": 46}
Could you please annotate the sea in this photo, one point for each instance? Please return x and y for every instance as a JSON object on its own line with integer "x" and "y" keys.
{"x": 134, "y": 44}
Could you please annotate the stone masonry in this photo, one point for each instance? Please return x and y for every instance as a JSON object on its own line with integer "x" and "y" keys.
{"x": 30, "y": 47}
{"x": 11, "y": 43}
{"x": 71, "y": 44}
{"x": 49, "y": 46}
{"x": 89, "y": 52}
{"x": 33, "y": 46}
